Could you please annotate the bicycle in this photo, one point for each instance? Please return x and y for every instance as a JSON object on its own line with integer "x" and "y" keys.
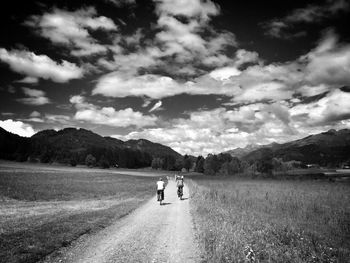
{"x": 160, "y": 196}
{"x": 180, "y": 192}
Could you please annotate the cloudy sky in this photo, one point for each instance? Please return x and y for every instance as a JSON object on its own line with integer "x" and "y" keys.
{"x": 199, "y": 76}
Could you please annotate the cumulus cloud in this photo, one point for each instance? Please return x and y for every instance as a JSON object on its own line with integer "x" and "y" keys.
{"x": 40, "y": 66}
{"x": 17, "y": 127}
{"x": 329, "y": 62}
{"x": 188, "y": 8}
{"x": 130, "y": 63}
{"x": 154, "y": 86}
{"x": 224, "y": 73}
{"x": 220, "y": 129}
{"x": 109, "y": 116}
{"x": 34, "y": 97}
{"x": 217, "y": 130}
{"x": 324, "y": 68}
{"x": 333, "y": 107}
{"x": 71, "y": 29}
{"x": 183, "y": 40}
{"x": 313, "y": 13}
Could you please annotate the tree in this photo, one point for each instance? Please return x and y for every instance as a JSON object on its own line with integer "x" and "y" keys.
{"x": 187, "y": 162}
{"x": 157, "y": 163}
{"x": 90, "y": 160}
{"x": 46, "y": 156}
{"x": 168, "y": 162}
{"x": 232, "y": 167}
{"x": 73, "y": 162}
{"x": 211, "y": 164}
{"x": 224, "y": 157}
{"x": 199, "y": 164}
{"x": 179, "y": 163}
{"x": 264, "y": 164}
{"x": 103, "y": 162}
{"x": 236, "y": 165}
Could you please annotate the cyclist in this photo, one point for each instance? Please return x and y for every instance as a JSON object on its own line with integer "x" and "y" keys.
{"x": 160, "y": 190}
{"x": 180, "y": 185}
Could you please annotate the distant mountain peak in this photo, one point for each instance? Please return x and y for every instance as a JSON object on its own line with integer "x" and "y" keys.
{"x": 329, "y": 148}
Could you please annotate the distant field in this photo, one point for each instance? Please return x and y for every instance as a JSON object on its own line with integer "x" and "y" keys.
{"x": 279, "y": 220}
{"x": 43, "y": 208}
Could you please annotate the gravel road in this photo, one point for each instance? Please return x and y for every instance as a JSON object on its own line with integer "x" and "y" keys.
{"x": 152, "y": 233}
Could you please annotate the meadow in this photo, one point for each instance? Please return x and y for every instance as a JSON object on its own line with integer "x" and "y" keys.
{"x": 245, "y": 220}
{"x": 44, "y": 208}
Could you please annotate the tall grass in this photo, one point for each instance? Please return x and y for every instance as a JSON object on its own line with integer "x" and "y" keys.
{"x": 272, "y": 221}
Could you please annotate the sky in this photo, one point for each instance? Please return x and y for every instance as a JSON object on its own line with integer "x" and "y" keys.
{"x": 199, "y": 76}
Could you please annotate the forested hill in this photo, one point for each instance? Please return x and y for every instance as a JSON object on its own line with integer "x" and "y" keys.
{"x": 329, "y": 148}
{"x": 73, "y": 145}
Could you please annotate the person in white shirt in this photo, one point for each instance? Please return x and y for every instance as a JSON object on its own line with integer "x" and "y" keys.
{"x": 160, "y": 190}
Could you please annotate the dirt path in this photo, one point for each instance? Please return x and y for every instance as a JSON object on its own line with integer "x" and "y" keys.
{"x": 152, "y": 233}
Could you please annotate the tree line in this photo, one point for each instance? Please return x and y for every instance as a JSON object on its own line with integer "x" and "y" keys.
{"x": 225, "y": 164}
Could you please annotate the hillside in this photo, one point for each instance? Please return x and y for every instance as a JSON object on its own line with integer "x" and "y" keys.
{"x": 75, "y": 144}
{"x": 240, "y": 152}
{"x": 154, "y": 149}
{"x": 12, "y": 146}
{"x": 328, "y": 148}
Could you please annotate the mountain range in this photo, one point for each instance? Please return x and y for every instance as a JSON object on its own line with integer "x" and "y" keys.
{"x": 329, "y": 148}
{"x": 71, "y": 143}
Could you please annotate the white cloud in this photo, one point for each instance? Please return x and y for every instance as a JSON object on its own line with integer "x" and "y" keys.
{"x": 244, "y": 56}
{"x": 217, "y": 130}
{"x": 179, "y": 37}
{"x": 153, "y": 86}
{"x": 156, "y": 106}
{"x": 272, "y": 91}
{"x": 130, "y": 63}
{"x": 28, "y": 80}
{"x": 71, "y": 29}
{"x": 35, "y": 97}
{"x": 109, "y": 116}
{"x": 312, "y": 13}
{"x": 188, "y": 8}
{"x": 324, "y": 68}
{"x": 329, "y": 62}
{"x": 17, "y": 127}
{"x": 188, "y": 43}
{"x": 40, "y": 66}
{"x": 328, "y": 110}
{"x": 224, "y": 73}
{"x": 156, "y": 87}
{"x": 58, "y": 118}
{"x": 309, "y": 91}
{"x": 193, "y": 41}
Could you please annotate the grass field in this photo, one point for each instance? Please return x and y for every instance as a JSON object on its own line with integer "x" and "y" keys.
{"x": 276, "y": 220}
{"x": 43, "y": 208}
